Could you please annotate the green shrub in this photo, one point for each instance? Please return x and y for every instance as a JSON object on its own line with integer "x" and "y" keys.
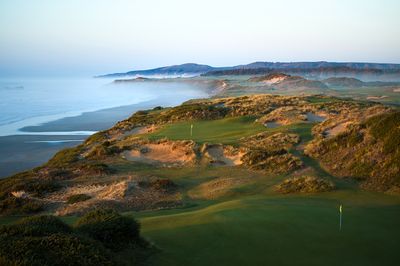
{"x": 95, "y": 169}
{"x": 58, "y": 174}
{"x": 13, "y": 205}
{"x": 97, "y": 137}
{"x": 307, "y": 184}
{"x": 109, "y": 227}
{"x": 46, "y": 240}
{"x": 159, "y": 184}
{"x": 77, "y": 198}
{"x": 194, "y": 111}
{"x": 260, "y": 155}
{"x": 55, "y": 249}
{"x": 103, "y": 150}
{"x": 65, "y": 157}
{"x": 37, "y": 187}
{"x": 43, "y": 225}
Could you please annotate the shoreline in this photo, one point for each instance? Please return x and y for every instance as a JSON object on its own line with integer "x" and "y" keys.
{"x": 35, "y": 145}
{"x": 85, "y": 123}
{"x": 23, "y": 152}
{"x": 29, "y": 146}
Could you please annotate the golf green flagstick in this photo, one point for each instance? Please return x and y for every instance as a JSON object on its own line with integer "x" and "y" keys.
{"x": 191, "y": 130}
{"x": 340, "y": 217}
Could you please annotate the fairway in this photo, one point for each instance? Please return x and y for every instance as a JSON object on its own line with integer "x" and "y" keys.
{"x": 267, "y": 230}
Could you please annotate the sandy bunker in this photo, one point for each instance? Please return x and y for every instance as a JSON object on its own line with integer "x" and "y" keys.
{"x": 168, "y": 152}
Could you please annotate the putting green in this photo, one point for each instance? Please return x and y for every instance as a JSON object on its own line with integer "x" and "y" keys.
{"x": 227, "y": 131}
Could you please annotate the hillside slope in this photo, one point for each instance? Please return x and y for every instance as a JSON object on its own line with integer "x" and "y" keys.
{"x": 308, "y": 67}
{"x": 261, "y": 135}
{"x": 367, "y": 149}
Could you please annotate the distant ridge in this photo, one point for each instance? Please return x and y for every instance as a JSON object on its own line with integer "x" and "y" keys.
{"x": 192, "y": 69}
{"x": 188, "y": 68}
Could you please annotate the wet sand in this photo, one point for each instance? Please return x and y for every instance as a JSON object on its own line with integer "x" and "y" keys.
{"x": 91, "y": 121}
{"x": 23, "y": 152}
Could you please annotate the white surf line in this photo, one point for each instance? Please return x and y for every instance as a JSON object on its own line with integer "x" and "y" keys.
{"x": 55, "y": 141}
{"x": 13, "y": 128}
{"x": 58, "y": 133}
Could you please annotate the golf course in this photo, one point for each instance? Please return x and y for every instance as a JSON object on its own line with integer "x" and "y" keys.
{"x": 210, "y": 187}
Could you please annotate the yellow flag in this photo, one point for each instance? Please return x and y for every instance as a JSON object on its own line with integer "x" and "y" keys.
{"x": 340, "y": 208}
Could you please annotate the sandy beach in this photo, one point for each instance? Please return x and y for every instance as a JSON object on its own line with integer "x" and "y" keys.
{"x": 23, "y": 152}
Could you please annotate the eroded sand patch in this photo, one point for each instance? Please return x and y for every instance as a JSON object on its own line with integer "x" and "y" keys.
{"x": 339, "y": 128}
{"x": 218, "y": 154}
{"x": 166, "y": 152}
{"x": 376, "y": 97}
{"x": 136, "y": 131}
{"x": 128, "y": 194}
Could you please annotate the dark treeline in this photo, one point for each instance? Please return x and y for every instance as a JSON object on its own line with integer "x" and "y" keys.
{"x": 321, "y": 72}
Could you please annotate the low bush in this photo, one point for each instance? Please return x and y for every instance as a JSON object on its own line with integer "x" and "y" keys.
{"x": 13, "y": 205}
{"x": 55, "y": 250}
{"x": 96, "y": 239}
{"x": 110, "y": 228}
{"x": 306, "y": 184}
{"x": 257, "y": 156}
{"x": 77, "y": 198}
{"x": 103, "y": 150}
{"x": 95, "y": 169}
{"x": 43, "y": 225}
{"x": 97, "y": 137}
{"x": 37, "y": 187}
{"x": 159, "y": 184}
{"x": 65, "y": 157}
{"x": 46, "y": 240}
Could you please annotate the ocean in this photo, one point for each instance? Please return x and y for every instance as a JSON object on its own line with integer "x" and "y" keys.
{"x": 34, "y": 101}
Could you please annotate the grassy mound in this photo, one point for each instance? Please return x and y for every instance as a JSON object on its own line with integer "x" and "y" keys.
{"x": 13, "y": 205}
{"x": 77, "y": 198}
{"x": 45, "y": 240}
{"x": 306, "y": 184}
{"x": 97, "y": 239}
{"x": 369, "y": 152}
{"x": 110, "y": 228}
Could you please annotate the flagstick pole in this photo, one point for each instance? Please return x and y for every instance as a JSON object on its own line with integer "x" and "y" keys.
{"x": 340, "y": 218}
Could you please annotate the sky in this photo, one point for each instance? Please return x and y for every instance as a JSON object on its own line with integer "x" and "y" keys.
{"x": 90, "y": 37}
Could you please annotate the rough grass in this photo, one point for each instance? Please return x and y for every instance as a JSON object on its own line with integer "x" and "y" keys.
{"x": 305, "y": 184}
{"x": 77, "y": 198}
{"x": 386, "y": 127}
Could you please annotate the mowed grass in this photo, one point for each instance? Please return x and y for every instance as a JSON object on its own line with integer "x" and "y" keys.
{"x": 226, "y": 131}
{"x": 280, "y": 230}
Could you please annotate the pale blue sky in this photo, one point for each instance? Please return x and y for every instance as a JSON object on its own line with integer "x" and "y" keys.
{"x": 93, "y": 37}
